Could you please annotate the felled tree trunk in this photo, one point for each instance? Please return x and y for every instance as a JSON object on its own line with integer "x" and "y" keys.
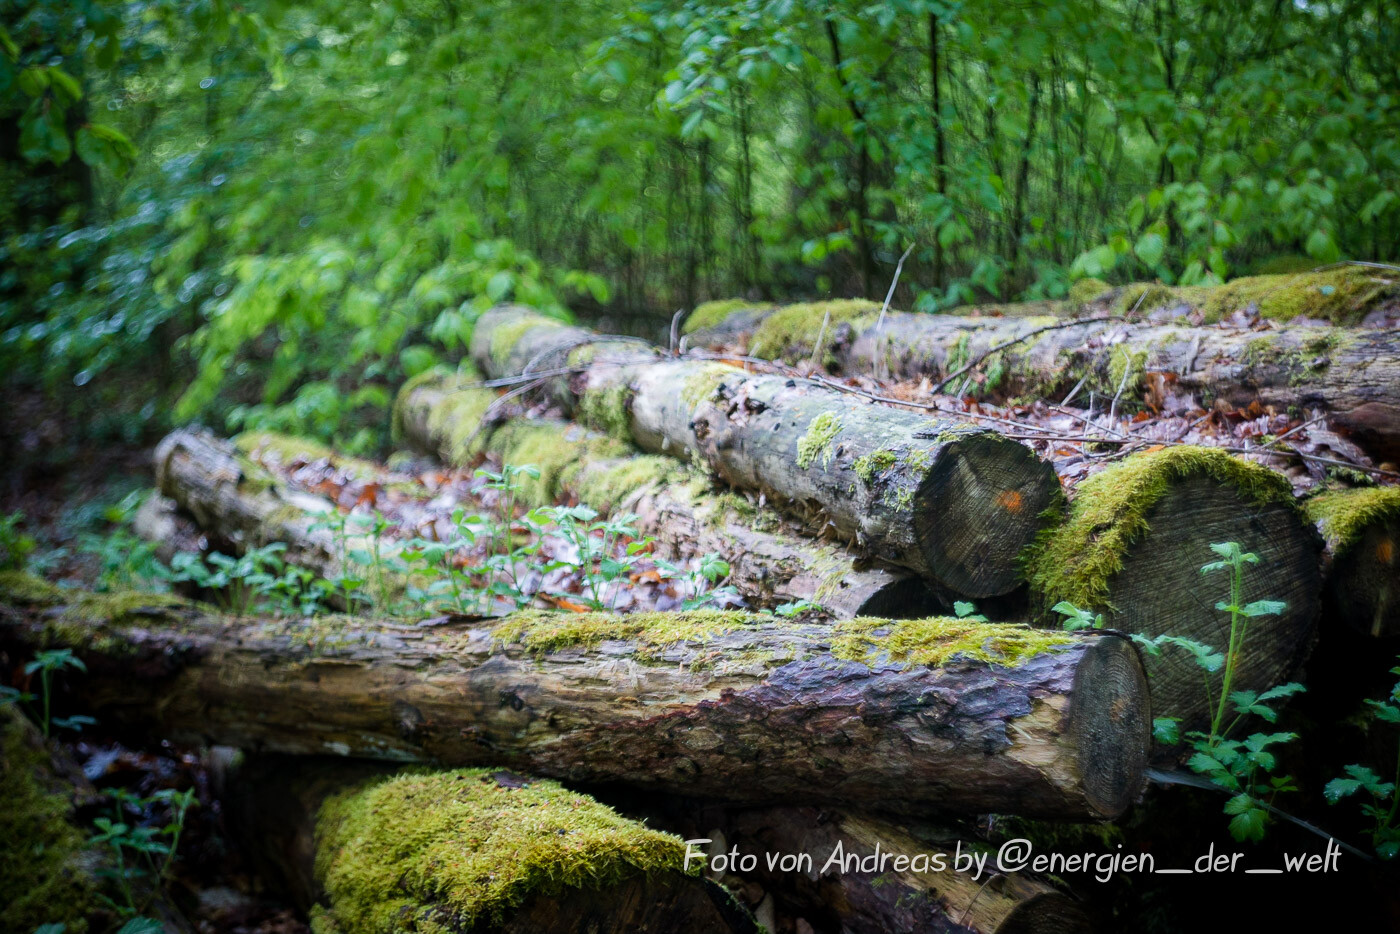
{"x": 1362, "y": 531}
{"x": 854, "y": 886}
{"x": 730, "y": 706}
{"x": 239, "y": 503}
{"x": 1133, "y": 549}
{"x": 673, "y": 503}
{"x": 955, "y": 503}
{"x": 1351, "y": 373}
{"x": 336, "y": 835}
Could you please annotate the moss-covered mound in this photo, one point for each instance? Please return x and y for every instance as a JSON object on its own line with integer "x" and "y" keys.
{"x": 1086, "y": 290}
{"x": 1342, "y": 295}
{"x": 449, "y": 850}
{"x": 1342, "y": 516}
{"x": 1075, "y": 561}
{"x": 45, "y": 872}
{"x": 712, "y": 314}
{"x": 457, "y": 417}
{"x": 791, "y": 332}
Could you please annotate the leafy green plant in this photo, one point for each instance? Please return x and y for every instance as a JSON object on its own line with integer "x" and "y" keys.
{"x": 1382, "y": 804}
{"x": 795, "y": 608}
{"x": 704, "y": 584}
{"x": 256, "y": 580}
{"x": 125, "y": 561}
{"x": 141, "y": 852}
{"x": 46, "y": 663}
{"x": 1241, "y": 766}
{"x": 964, "y": 610}
{"x": 15, "y": 545}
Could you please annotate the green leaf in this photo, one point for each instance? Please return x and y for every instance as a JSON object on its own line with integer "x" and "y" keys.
{"x": 1249, "y": 824}
{"x": 42, "y": 137}
{"x": 1149, "y": 248}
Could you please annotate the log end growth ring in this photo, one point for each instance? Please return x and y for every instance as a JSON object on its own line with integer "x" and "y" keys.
{"x": 1110, "y": 720}
{"x": 977, "y": 509}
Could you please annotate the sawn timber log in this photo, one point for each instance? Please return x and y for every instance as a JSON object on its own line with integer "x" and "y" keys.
{"x": 900, "y": 716}
{"x": 954, "y": 502}
{"x": 1353, "y": 374}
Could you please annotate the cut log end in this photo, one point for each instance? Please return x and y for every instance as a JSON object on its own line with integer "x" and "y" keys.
{"x": 901, "y": 598}
{"x": 1048, "y": 913}
{"x": 1111, "y": 725}
{"x": 1161, "y": 589}
{"x": 978, "y": 508}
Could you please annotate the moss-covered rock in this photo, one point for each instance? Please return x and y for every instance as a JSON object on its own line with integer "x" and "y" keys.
{"x": 451, "y": 850}
{"x": 1075, "y": 561}
{"x": 558, "y": 457}
{"x": 1342, "y": 516}
{"x": 46, "y": 873}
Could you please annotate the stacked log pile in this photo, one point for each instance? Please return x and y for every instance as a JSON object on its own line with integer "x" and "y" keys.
{"x": 849, "y": 723}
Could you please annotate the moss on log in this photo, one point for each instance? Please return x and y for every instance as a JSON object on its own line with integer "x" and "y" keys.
{"x": 902, "y": 716}
{"x": 1351, "y": 373}
{"x": 1137, "y": 536}
{"x": 1362, "y": 531}
{"x": 47, "y": 876}
{"x": 955, "y": 503}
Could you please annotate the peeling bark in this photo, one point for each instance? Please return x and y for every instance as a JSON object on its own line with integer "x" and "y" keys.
{"x": 733, "y": 707}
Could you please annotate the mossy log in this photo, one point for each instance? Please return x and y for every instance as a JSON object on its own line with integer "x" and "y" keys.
{"x": 238, "y": 503}
{"x": 1362, "y": 531}
{"x": 674, "y": 503}
{"x": 1133, "y": 548}
{"x": 953, "y": 502}
{"x": 370, "y": 850}
{"x": 1351, "y": 373}
{"x": 921, "y": 895}
{"x": 901, "y": 716}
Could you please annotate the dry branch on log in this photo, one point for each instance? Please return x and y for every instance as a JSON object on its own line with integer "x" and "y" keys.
{"x": 900, "y": 716}
{"x": 1352, "y": 374}
{"x": 674, "y": 503}
{"x": 951, "y": 501}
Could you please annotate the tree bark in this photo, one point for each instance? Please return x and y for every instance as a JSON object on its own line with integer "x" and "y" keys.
{"x": 726, "y": 706}
{"x": 1361, "y": 529}
{"x": 769, "y": 565}
{"x": 1351, "y": 373}
{"x": 278, "y": 802}
{"x": 953, "y": 502}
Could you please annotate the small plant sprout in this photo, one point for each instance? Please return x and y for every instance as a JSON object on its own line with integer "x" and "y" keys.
{"x": 1383, "y": 804}
{"x": 968, "y": 611}
{"x": 45, "y": 663}
{"x": 1075, "y": 618}
{"x": 795, "y": 608}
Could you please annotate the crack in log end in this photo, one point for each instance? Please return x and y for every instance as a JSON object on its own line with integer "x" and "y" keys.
{"x": 983, "y": 502}
{"x": 1110, "y": 725}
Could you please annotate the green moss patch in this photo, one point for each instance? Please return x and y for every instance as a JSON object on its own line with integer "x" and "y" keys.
{"x": 712, "y": 314}
{"x": 1086, "y": 290}
{"x": 1342, "y": 295}
{"x": 873, "y": 464}
{"x": 453, "y": 850}
{"x": 603, "y": 489}
{"x": 791, "y": 332}
{"x": 703, "y": 380}
{"x": 544, "y": 632}
{"x": 938, "y": 640}
{"x": 1076, "y": 560}
{"x": 506, "y": 336}
{"x": 45, "y": 873}
{"x": 821, "y": 432}
{"x": 289, "y": 448}
{"x": 1343, "y": 516}
{"x": 559, "y": 456}
{"x": 606, "y": 410}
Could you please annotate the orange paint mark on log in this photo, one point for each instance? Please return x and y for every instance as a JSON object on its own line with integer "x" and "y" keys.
{"x": 1385, "y": 551}
{"x": 1011, "y": 501}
